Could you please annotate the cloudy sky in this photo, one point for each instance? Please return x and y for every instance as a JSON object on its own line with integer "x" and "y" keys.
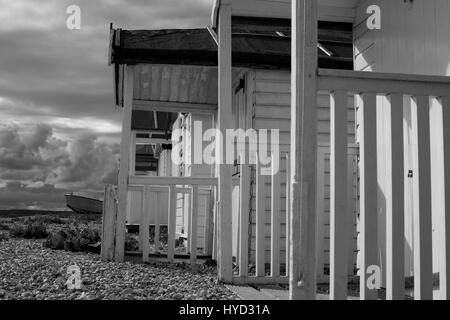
{"x": 59, "y": 131}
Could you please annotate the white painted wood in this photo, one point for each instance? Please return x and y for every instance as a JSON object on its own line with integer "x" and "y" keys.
{"x": 147, "y": 199}
{"x": 172, "y": 224}
{"x": 133, "y": 154}
{"x": 260, "y": 222}
{"x": 359, "y": 81}
{"x": 394, "y": 196}
{"x": 142, "y": 207}
{"x": 124, "y": 164}
{"x": 244, "y": 214}
{"x": 303, "y": 150}
{"x": 288, "y": 213}
{"x": 209, "y": 224}
{"x": 157, "y": 224}
{"x": 164, "y": 106}
{"x": 339, "y": 210}
{"x": 445, "y": 235}
{"x": 225, "y": 121}
{"x": 167, "y": 181}
{"x": 423, "y": 277}
{"x": 194, "y": 226}
{"x": 275, "y": 219}
{"x": 368, "y": 193}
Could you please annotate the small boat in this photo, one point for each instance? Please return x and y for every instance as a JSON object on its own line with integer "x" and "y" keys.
{"x": 82, "y": 204}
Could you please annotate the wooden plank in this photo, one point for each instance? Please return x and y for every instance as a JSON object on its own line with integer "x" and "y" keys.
{"x": 244, "y": 213}
{"x": 375, "y": 82}
{"x": 133, "y": 154}
{"x": 339, "y": 214}
{"x": 194, "y": 226}
{"x": 394, "y": 196}
{"x": 172, "y": 223}
{"x": 288, "y": 213}
{"x": 124, "y": 164}
{"x": 321, "y": 204}
{"x": 157, "y": 225}
{"x": 275, "y": 219}
{"x": 260, "y": 280}
{"x": 148, "y": 198}
{"x": 209, "y": 223}
{"x": 302, "y": 284}
{"x": 225, "y": 122}
{"x": 167, "y": 181}
{"x": 260, "y": 222}
{"x": 108, "y": 224}
{"x": 423, "y": 277}
{"x": 368, "y": 193}
{"x": 445, "y": 235}
{"x": 142, "y": 213}
{"x": 168, "y": 106}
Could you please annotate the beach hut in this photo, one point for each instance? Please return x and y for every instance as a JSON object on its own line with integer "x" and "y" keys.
{"x": 362, "y": 181}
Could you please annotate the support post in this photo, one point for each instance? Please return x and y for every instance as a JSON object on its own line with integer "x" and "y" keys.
{"x": 124, "y": 163}
{"x": 302, "y": 249}
{"x": 225, "y": 122}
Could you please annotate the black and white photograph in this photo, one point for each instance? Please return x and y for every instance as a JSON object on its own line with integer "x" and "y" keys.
{"x": 204, "y": 151}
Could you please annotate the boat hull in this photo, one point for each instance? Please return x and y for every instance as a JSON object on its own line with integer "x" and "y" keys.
{"x": 84, "y": 205}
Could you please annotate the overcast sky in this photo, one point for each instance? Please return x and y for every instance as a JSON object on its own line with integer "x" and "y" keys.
{"x": 59, "y": 131}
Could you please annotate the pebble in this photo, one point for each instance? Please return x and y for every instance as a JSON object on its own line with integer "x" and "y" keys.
{"x": 29, "y": 271}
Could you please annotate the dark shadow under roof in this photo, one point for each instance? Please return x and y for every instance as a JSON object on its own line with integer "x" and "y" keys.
{"x": 259, "y": 43}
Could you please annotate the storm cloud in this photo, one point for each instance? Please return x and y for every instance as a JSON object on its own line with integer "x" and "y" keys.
{"x": 59, "y": 130}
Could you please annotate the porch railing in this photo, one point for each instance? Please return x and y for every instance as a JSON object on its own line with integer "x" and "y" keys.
{"x": 383, "y": 102}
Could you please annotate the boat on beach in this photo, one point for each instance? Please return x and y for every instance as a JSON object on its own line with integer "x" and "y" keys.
{"x": 83, "y": 204}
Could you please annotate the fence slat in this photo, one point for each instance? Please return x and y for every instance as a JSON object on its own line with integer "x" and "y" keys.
{"x": 288, "y": 213}
{"x": 108, "y": 223}
{"x": 339, "y": 215}
{"x": 368, "y": 193}
{"x": 394, "y": 195}
{"x": 244, "y": 213}
{"x": 194, "y": 226}
{"x": 275, "y": 219}
{"x": 147, "y": 199}
{"x": 445, "y": 236}
{"x": 172, "y": 223}
{"x": 423, "y": 278}
{"x": 260, "y": 222}
{"x": 157, "y": 226}
{"x": 141, "y": 225}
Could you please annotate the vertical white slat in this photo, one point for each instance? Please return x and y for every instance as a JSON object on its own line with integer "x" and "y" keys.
{"x": 275, "y": 219}
{"x": 142, "y": 213}
{"x": 119, "y": 254}
{"x": 444, "y": 284}
{"x": 260, "y": 222}
{"x": 157, "y": 225}
{"x": 244, "y": 214}
{"x": 288, "y": 213}
{"x": 302, "y": 277}
{"x": 187, "y": 198}
{"x": 172, "y": 223}
{"x": 147, "y": 199}
{"x": 320, "y": 252}
{"x": 368, "y": 193}
{"x": 225, "y": 122}
{"x": 215, "y": 225}
{"x": 394, "y": 196}
{"x": 208, "y": 234}
{"x": 194, "y": 225}
{"x": 423, "y": 277}
{"x": 339, "y": 215}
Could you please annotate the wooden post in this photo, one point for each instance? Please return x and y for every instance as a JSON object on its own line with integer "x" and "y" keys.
{"x": 225, "y": 122}
{"x": 394, "y": 195}
{"x": 157, "y": 226}
{"x": 288, "y": 215}
{"x": 339, "y": 215}
{"x": 172, "y": 224}
{"x": 444, "y": 284}
{"x": 147, "y": 199}
{"x": 302, "y": 278}
{"x": 124, "y": 163}
{"x": 275, "y": 220}
{"x": 260, "y": 222}
{"x": 194, "y": 226}
{"x": 423, "y": 254}
{"x": 368, "y": 193}
{"x": 108, "y": 224}
{"x": 244, "y": 214}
